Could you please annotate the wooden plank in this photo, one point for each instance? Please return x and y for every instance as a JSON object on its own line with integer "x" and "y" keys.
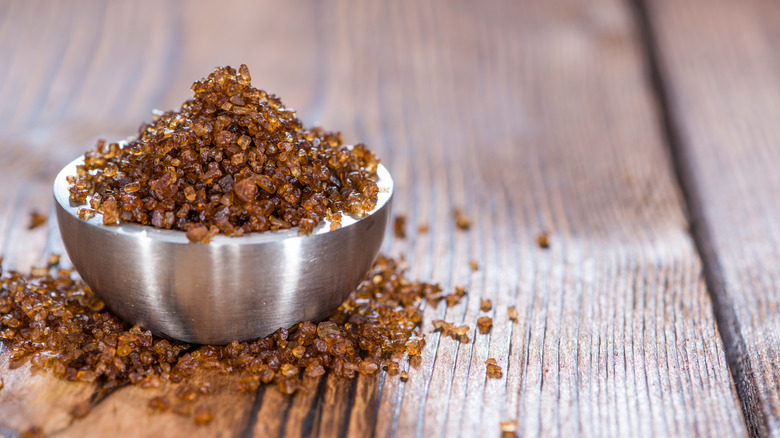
{"x": 531, "y": 116}
{"x": 126, "y": 411}
{"x": 616, "y": 323}
{"x": 719, "y": 65}
{"x": 54, "y": 111}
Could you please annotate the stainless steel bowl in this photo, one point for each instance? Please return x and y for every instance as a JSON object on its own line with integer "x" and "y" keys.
{"x": 232, "y": 288}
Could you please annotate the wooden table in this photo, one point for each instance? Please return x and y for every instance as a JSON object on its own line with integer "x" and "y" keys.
{"x": 642, "y": 136}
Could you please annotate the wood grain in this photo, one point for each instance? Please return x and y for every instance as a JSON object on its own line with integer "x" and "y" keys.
{"x": 719, "y": 65}
{"x": 530, "y": 116}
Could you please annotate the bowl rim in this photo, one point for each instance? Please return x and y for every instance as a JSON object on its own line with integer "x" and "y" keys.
{"x": 62, "y": 197}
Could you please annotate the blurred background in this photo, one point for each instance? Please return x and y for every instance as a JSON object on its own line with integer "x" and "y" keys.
{"x": 75, "y": 71}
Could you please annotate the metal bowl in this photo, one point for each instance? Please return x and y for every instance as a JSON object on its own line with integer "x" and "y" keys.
{"x": 231, "y": 288}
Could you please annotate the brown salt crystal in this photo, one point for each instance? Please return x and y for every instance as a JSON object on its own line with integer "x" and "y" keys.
{"x": 299, "y": 351}
{"x": 512, "y": 313}
{"x": 422, "y": 229}
{"x": 230, "y": 145}
{"x": 381, "y": 317}
{"x": 392, "y": 367}
{"x": 39, "y": 271}
{"x": 86, "y": 213}
{"x": 542, "y": 239}
{"x": 151, "y": 381}
{"x": 124, "y": 350}
{"x": 289, "y": 370}
{"x": 187, "y": 392}
{"x": 54, "y": 260}
{"x": 80, "y": 410}
{"x": 367, "y": 367}
{"x": 461, "y": 220}
{"x": 86, "y": 376}
{"x": 159, "y": 403}
{"x": 461, "y": 330}
{"x": 205, "y": 388}
{"x": 289, "y": 386}
{"x": 267, "y": 375}
{"x": 484, "y": 323}
{"x": 493, "y": 370}
{"x": 132, "y": 187}
{"x": 455, "y": 297}
{"x": 198, "y": 233}
{"x": 109, "y": 210}
{"x": 508, "y": 429}
{"x": 36, "y": 219}
{"x": 414, "y": 347}
{"x": 327, "y": 328}
{"x": 340, "y": 347}
{"x": 184, "y": 409}
{"x": 399, "y": 227}
{"x": 248, "y": 384}
{"x": 485, "y": 305}
{"x": 474, "y": 265}
{"x": 203, "y": 414}
{"x": 315, "y": 369}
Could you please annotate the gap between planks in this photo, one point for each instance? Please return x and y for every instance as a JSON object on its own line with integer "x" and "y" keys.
{"x": 725, "y": 316}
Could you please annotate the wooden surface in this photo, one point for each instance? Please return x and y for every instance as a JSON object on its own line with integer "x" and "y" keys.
{"x": 570, "y": 117}
{"x": 720, "y": 67}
